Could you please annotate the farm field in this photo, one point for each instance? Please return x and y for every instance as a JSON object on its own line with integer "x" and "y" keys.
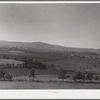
{"x": 25, "y": 72}
{"x": 60, "y": 61}
{"x": 46, "y": 85}
{"x": 10, "y": 61}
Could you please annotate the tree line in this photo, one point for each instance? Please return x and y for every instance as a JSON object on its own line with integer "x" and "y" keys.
{"x": 79, "y": 76}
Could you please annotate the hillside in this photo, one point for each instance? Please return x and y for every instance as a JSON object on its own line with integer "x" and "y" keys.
{"x": 42, "y": 47}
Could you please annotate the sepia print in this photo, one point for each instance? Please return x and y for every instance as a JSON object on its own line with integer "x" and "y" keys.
{"x": 50, "y": 46}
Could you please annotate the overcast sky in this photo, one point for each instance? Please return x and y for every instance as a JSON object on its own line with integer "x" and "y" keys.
{"x": 71, "y": 25}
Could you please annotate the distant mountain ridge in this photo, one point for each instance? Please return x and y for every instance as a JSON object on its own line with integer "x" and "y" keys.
{"x": 41, "y": 46}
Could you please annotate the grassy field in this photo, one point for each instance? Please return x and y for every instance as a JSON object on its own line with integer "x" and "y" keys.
{"x": 46, "y": 85}
{"x": 59, "y": 60}
{"x": 10, "y": 61}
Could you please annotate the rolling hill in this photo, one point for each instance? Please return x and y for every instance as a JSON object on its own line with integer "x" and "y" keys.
{"x": 42, "y": 47}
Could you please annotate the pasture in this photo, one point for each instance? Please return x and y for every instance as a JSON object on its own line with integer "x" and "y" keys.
{"x": 10, "y": 61}
{"x": 46, "y": 85}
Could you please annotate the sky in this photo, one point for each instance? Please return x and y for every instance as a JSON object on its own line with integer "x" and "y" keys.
{"x": 70, "y": 25}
